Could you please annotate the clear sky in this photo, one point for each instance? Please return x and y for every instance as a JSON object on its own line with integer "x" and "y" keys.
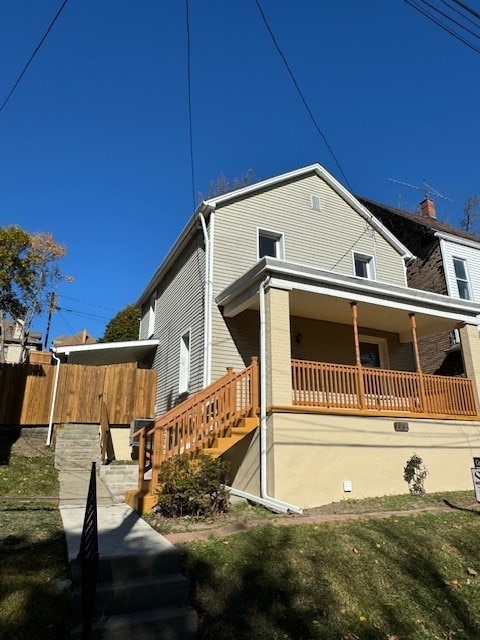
{"x": 94, "y": 143}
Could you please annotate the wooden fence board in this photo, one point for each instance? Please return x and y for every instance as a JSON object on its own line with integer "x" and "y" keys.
{"x": 26, "y": 393}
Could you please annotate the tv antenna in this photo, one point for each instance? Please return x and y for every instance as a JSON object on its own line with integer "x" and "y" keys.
{"x": 425, "y": 188}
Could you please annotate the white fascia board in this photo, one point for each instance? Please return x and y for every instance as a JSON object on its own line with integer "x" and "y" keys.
{"x": 175, "y": 250}
{"x": 102, "y": 346}
{"x": 458, "y": 240}
{"x": 359, "y": 289}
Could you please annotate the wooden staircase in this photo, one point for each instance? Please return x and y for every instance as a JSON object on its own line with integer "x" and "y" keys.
{"x": 233, "y": 435}
{"x": 211, "y": 422}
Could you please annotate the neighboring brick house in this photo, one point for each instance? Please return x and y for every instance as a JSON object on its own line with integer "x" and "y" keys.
{"x": 448, "y": 262}
{"x": 82, "y": 337}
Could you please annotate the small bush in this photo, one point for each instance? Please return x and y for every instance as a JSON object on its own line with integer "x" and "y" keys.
{"x": 414, "y": 474}
{"x": 192, "y": 487}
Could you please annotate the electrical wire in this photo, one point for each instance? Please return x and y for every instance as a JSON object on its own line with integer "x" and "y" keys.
{"x": 467, "y": 8}
{"x": 300, "y": 93}
{"x": 90, "y": 304}
{"x": 442, "y": 26}
{"x": 189, "y": 81}
{"x": 32, "y": 56}
{"x": 445, "y": 15}
{"x": 459, "y": 13}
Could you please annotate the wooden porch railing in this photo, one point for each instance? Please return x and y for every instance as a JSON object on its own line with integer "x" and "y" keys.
{"x": 194, "y": 424}
{"x": 321, "y": 384}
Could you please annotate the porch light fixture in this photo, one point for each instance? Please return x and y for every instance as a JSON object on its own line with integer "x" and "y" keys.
{"x": 298, "y": 337}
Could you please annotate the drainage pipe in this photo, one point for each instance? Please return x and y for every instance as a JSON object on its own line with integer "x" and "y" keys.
{"x": 207, "y": 329}
{"x": 54, "y": 397}
{"x": 264, "y": 499}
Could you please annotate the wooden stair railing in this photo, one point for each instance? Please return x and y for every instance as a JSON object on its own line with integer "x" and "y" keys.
{"x": 194, "y": 424}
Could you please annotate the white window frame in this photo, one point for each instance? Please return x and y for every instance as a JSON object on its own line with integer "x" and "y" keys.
{"x": 466, "y": 279}
{"x": 369, "y": 260}
{"x": 277, "y": 237}
{"x": 151, "y": 315}
{"x": 184, "y": 362}
{"x": 382, "y": 348}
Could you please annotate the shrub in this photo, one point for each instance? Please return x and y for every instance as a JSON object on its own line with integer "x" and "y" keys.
{"x": 414, "y": 474}
{"x": 192, "y": 486}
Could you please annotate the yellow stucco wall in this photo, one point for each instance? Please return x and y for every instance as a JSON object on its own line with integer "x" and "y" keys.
{"x": 310, "y": 457}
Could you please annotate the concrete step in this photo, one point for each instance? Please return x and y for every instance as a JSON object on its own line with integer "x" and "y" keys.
{"x": 116, "y": 597}
{"x": 166, "y": 623}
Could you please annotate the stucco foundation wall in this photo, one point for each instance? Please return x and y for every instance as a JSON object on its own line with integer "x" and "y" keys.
{"x": 120, "y": 441}
{"x": 244, "y": 460}
{"x": 315, "y": 454}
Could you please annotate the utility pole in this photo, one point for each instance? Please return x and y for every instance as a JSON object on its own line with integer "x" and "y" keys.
{"x": 51, "y": 309}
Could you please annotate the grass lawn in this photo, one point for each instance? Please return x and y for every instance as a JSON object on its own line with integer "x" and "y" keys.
{"x": 396, "y": 578}
{"x": 32, "y": 552}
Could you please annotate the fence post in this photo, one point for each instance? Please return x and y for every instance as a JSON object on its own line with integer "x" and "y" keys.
{"x": 254, "y": 386}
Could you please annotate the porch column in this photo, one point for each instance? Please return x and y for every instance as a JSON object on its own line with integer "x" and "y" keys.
{"x": 413, "y": 325}
{"x": 278, "y": 365}
{"x": 470, "y": 342}
{"x": 358, "y": 360}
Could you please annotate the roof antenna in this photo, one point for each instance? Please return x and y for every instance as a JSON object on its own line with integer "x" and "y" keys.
{"x": 427, "y": 190}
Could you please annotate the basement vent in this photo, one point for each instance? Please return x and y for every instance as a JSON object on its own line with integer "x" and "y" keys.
{"x": 316, "y": 204}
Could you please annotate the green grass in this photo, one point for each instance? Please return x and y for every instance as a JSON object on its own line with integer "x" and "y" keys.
{"x": 408, "y": 578}
{"x": 28, "y": 476}
{"x": 32, "y": 553}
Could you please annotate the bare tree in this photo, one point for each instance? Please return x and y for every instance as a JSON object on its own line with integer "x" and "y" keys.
{"x": 471, "y": 215}
{"x": 221, "y": 185}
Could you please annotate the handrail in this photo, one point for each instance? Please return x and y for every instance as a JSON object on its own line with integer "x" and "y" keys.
{"x": 322, "y": 384}
{"x": 194, "y": 424}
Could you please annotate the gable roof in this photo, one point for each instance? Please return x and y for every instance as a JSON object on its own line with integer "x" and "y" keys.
{"x": 207, "y": 206}
{"x": 429, "y": 226}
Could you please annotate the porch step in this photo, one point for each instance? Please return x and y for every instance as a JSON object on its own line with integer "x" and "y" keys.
{"x": 76, "y": 446}
{"x": 119, "y": 478}
{"x": 234, "y": 435}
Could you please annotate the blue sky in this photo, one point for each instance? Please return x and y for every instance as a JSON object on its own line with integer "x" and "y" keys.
{"x": 94, "y": 143}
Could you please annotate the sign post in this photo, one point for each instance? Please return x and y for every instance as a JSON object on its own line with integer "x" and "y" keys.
{"x": 476, "y": 477}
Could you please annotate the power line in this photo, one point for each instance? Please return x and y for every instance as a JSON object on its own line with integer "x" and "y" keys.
{"x": 90, "y": 304}
{"x": 460, "y": 13}
{"x": 32, "y": 56}
{"x": 192, "y": 169}
{"x": 299, "y": 91}
{"x": 467, "y": 8}
{"x": 445, "y": 15}
{"x": 442, "y": 26}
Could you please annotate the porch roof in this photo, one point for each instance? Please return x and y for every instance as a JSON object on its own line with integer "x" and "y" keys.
{"x": 106, "y": 352}
{"x": 324, "y": 295}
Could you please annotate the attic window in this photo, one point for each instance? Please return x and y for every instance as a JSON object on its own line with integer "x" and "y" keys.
{"x": 316, "y": 203}
{"x": 270, "y": 243}
{"x": 363, "y": 266}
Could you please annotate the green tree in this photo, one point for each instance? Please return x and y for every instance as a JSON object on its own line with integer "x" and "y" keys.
{"x": 124, "y": 326}
{"x": 28, "y": 273}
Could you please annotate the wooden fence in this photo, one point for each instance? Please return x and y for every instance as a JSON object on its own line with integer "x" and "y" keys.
{"x": 26, "y": 392}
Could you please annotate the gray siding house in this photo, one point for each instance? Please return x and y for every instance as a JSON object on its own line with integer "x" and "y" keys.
{"x": 296, "y": 272}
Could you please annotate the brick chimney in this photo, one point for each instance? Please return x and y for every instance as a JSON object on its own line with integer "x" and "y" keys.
{"x": 427, "y": 208}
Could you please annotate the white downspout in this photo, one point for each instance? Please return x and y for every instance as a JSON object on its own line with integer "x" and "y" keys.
{"x": 264, "y": 499}
{"x": 54, "y": 397}
{"x": 206, "y": 304}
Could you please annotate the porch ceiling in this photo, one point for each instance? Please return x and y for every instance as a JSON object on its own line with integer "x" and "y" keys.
{"x": 107, "y": 352}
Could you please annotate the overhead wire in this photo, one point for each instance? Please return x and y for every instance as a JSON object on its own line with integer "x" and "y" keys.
{"x": 467, "y": 8}
{"x": 37, "y": 48}
{"x": 445, "y": 15}
{"x": 418, "y": 8}
{"x": 459, "y": 13}
{"x": 300, "y": 93}
{"x": 189, "y": 82}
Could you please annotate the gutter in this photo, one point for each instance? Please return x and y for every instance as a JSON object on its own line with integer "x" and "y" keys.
{"x": 208, "y": 295}
{"x": 278, "y": 506}
{"x": 54, "y": 398}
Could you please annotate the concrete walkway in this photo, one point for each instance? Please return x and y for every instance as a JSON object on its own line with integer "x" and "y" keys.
{"x": 121, "y": 531}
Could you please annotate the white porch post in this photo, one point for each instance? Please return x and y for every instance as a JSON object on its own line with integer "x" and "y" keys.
{"x": 470, "y": 342}
{"x": 278, "y": 356}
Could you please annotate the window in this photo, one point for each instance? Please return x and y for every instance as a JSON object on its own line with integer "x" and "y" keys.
{"x": 461, "y": 275}
{"x": 184, "y": 374}
{"x": 363, "y": 266}
{"x": 373, "y": 352}
{"x": 270, "y": 243}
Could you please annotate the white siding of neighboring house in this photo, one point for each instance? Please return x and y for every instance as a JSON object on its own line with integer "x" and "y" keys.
{"x": 324, "y": 239}
{"x": 179, "y": 309}
{"x": 471, "y": 255}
